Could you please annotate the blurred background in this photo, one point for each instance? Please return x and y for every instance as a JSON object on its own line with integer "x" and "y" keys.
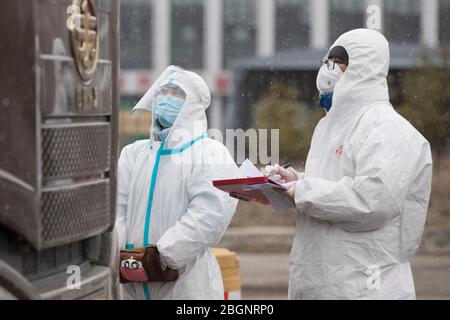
{"x": 260, "y": 59}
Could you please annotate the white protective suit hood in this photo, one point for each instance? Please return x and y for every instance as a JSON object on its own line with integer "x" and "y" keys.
{"x": 363, "y": 198}
{"x": 364, "y": 80}
{"x": 191, "y": 121}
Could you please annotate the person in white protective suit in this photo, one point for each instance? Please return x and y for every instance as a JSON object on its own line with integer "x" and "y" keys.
{"x": 165, "y": 193}
{"x": 362, "y": 200}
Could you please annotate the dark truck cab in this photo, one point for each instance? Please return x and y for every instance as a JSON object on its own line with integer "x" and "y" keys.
{"x": 58, "y": 148}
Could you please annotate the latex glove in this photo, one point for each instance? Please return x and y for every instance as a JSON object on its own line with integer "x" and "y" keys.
{"x": 280, "y": 174}
{"x": 291, "y": 189}
{"x": 289, "y": 193}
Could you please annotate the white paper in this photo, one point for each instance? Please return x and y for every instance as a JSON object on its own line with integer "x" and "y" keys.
{"x": 279, "y": 203}
{"x": 248, "y": 169}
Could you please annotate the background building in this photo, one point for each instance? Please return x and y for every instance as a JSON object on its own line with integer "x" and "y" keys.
{"x": 211, "y": 36}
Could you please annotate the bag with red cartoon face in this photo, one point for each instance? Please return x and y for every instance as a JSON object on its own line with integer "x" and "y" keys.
{"x": 144, "y": 265}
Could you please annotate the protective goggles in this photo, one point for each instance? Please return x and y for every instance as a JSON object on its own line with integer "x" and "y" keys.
{"x": 337, "y": 54}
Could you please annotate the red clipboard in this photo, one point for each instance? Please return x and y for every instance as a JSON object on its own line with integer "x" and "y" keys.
{"x": 240, "y": 188}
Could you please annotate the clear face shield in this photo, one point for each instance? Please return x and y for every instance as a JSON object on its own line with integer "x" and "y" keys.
{"x": 168, "y": 102}
{"x": 169, "y": 90}
{"x": 148, "y": 100}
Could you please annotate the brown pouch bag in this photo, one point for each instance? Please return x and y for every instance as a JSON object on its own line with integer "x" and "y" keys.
{"x": 144, "y": 265}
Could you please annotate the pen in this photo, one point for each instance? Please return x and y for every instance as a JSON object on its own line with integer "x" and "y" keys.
{"x": 287, "y": 165}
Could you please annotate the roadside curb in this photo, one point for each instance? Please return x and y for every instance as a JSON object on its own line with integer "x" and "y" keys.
{"x": 268, "y": 239}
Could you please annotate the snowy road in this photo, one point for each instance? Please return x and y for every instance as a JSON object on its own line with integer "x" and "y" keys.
{"x": 265, "y": 276}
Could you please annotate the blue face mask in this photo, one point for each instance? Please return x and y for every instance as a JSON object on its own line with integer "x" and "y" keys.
{"x": 325, "y": 100}
{"x": 167, "y": 108}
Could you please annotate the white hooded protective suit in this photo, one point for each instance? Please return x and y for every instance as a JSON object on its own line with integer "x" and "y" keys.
{"x": 363, "y": 200}
{"x": 166, "y": 197}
